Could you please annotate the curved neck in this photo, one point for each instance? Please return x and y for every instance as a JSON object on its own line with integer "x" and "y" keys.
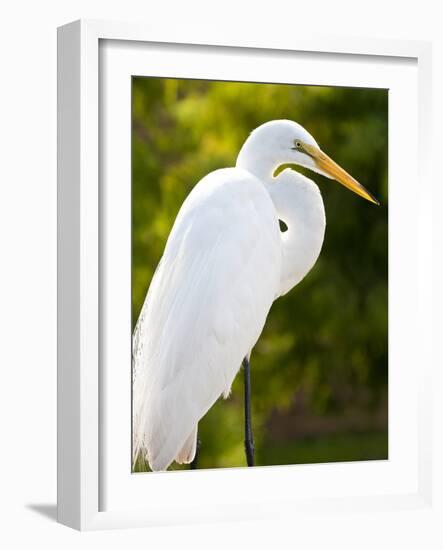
{"x": 299, "y": 204}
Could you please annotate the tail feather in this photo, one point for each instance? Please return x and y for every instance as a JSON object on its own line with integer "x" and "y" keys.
{"x": 187, "y": 452}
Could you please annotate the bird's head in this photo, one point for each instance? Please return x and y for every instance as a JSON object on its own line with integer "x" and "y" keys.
{"x": 281, "y": 142}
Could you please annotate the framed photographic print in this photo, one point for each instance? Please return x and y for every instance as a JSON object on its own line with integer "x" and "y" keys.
{"x": 242, "y": 291}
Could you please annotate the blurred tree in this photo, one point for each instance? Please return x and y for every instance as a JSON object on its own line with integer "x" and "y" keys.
{"x": 320, "y": 368}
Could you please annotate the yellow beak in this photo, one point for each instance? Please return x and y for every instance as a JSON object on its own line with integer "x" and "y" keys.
{"x": 333, "y": 170}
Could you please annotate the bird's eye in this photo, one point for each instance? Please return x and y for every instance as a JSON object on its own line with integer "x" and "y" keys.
{"x": 297, "y": 145}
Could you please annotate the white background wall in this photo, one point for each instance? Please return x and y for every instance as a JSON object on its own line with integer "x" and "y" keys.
{"x": 28, "y": 257}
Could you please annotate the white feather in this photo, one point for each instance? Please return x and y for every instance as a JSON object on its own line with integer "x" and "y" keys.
{"x": 187, "y": 452}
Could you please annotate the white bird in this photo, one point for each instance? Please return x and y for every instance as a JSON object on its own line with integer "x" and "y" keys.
{"x": 224, "y": 264}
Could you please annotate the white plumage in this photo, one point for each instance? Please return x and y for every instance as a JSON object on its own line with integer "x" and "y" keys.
{"x": 224, "y": 264}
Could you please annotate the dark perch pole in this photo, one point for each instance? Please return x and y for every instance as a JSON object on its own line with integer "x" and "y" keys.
{"x": 194, "y": 463}
{"x": 249, "y": 439}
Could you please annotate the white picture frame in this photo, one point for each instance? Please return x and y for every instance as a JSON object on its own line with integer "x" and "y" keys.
{"x": 95, "y": 491}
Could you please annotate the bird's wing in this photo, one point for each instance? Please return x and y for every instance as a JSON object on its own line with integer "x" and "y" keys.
{"x": 205, "y": 309}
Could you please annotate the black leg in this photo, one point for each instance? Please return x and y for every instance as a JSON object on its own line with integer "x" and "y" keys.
{"x": 194, "y": 463}
{"x": 249, "y": 439}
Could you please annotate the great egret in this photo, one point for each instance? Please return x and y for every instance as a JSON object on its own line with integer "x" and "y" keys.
{"x": 224, "y": 264}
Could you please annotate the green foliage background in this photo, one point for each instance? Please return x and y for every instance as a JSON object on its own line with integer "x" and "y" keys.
{"x": 320, "y": 368}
